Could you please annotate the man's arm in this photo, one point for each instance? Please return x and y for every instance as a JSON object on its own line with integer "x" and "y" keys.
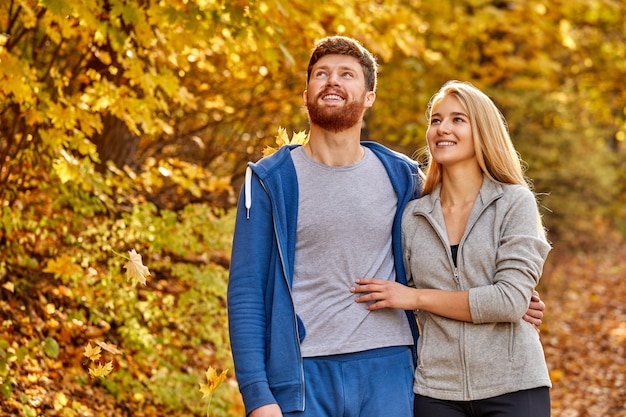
{"x": 534, "y": 315}
{"x": 246, "y": 299}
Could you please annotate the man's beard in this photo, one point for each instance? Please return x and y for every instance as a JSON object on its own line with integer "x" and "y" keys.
{"x": 335, "y": 119}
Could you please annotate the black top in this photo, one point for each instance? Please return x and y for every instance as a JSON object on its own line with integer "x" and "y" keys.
{"x": 454, "y": 249}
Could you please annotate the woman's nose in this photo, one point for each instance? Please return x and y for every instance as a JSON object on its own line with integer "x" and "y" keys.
{"x": 443, "y": 126}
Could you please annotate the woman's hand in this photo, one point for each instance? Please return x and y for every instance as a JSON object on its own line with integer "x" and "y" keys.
{"x": 385, "y": 294}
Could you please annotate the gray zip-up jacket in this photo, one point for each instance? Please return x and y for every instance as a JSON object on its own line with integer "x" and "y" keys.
{"x": 500, "y": 260}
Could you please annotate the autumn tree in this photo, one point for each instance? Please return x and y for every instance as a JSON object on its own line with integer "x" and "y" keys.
{"x": 123, "y": 126}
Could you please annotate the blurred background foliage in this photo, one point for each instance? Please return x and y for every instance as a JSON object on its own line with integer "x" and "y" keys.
{"x": 126, "y": 124}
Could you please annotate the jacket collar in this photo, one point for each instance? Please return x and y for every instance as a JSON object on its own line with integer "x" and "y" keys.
{"x": 489, "y": 191}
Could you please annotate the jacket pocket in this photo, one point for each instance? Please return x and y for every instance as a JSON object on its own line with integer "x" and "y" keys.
{"x": 489, "y": 354}
{"x": 440, "y": 365}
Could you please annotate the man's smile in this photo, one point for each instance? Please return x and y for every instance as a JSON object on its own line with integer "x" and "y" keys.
{"x": 332, "y": 97}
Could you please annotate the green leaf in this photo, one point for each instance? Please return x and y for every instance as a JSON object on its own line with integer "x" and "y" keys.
{"x": 51, "y": 347}
{"x": 4, "y": 369}
{"x": 7, "y": 388}
{"x": 21, "y": 353}
{"x": 29, "y": 411}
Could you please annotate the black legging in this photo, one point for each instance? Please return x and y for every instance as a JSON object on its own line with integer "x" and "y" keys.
{"x": 527, "y": 403}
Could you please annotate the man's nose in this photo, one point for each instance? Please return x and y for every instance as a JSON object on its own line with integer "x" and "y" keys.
{"x": 333, "y": 79}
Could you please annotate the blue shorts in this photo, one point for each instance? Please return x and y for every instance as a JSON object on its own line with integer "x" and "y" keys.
{"x": 374, "y": 383}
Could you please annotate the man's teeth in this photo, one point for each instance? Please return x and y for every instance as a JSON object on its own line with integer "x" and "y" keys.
{"x": 332, "y": 97}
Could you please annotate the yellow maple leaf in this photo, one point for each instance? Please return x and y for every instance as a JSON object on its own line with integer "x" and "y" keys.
{"x": 282, "y": 139}
{"x": 299, "y": 138}
{"x": 93, "y": 353}
{"x": 213, "y": 381}
{"x": 101, "y": 370}
{"x": 135, "y": 269}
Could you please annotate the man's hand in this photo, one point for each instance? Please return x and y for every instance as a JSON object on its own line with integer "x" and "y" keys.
{"x": 269, "y": 410}
{"x": 535, "y": 311}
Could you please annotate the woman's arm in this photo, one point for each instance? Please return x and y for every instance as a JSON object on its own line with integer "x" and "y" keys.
{"x": 450, "y": 304}
{"x": 389, "y": 294}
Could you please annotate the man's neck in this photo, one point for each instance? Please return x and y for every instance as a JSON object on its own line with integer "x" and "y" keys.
{"x": 335, "y": 148}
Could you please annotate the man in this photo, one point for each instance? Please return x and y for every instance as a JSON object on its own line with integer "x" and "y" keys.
{"x": 312, "y": 219}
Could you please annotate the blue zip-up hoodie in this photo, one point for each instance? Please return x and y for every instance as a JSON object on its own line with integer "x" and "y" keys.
{"x": 265, "y": 333}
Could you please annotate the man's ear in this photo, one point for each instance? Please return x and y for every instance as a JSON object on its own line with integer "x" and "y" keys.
{"x": 305, "y": 96}
{"x": 370, "y": 97}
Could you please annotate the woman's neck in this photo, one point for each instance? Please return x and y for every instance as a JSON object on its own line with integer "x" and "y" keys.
{"x": 460, "y": 189}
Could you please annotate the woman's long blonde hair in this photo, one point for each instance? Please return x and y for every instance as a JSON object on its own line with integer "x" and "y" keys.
{"x": 495, "y": 152}
{"x": 496, "y": 155}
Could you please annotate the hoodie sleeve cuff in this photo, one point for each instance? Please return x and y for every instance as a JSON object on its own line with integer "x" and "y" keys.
{"x": 257, "y": 395}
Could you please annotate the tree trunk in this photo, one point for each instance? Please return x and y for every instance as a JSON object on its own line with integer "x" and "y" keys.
{"x": 116, "y": 143}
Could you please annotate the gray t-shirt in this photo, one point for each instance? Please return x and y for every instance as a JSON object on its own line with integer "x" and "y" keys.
{"x": 344, "y": 232}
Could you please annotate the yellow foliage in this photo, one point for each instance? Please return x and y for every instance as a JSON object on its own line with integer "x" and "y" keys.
{"x": 556, "y": 375}
{"x": 100, "y": 370}
{"x": 282, "y": 139}
{"x": 213, "y": 381}
{"x": 66, "y": 168}
{"x": 93, "y": 353}
{"x": 60, "y": 401}
{"x": 62, "y": 266}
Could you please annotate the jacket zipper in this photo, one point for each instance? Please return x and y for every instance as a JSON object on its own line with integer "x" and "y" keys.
{"x": 457, "y": 280}
{"x": 468, "y": 228}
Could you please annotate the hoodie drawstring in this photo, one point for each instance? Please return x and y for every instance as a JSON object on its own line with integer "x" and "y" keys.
{"x": 248, "y": 191}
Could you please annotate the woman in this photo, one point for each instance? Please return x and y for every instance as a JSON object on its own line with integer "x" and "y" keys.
{"x": 474, "y": 248}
